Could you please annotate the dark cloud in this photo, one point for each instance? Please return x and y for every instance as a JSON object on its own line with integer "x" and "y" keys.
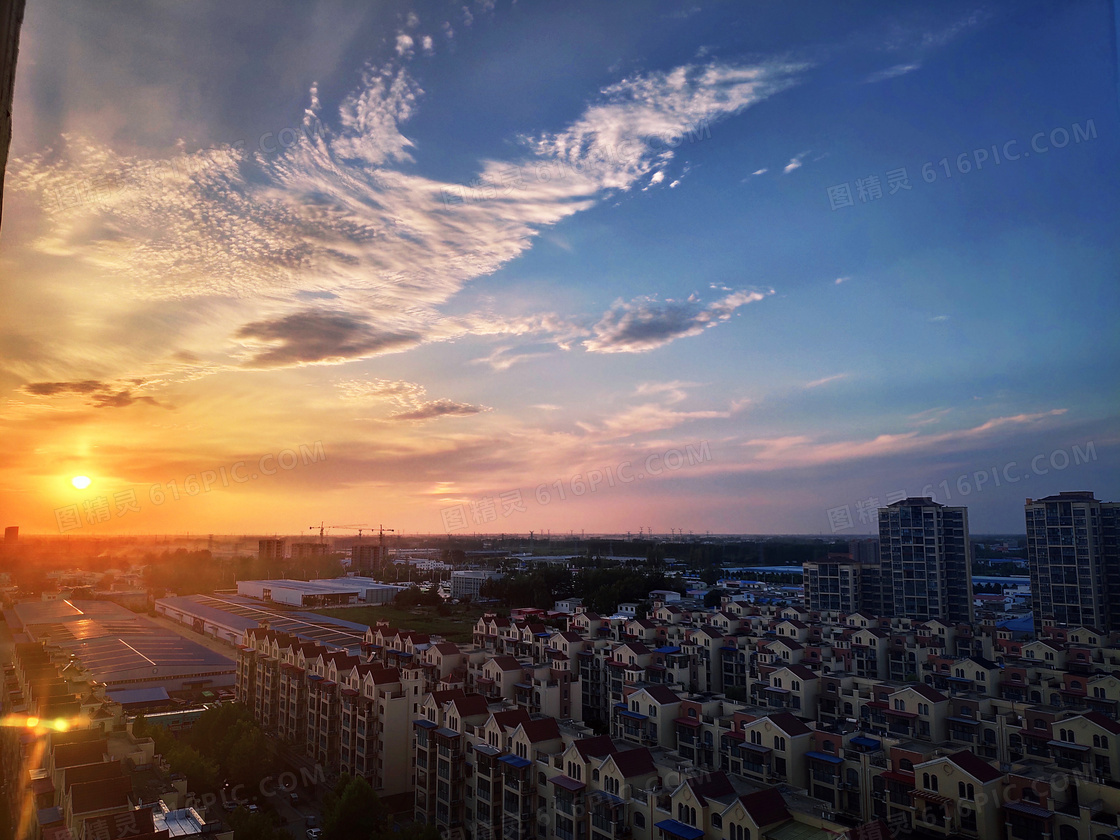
{"x": 632, "y": 328}
{"x": 644, "y": 324}
{"x": 50, "y": 389}
{"x": 315, "y": 337}
{"x": 102, "y": 394}
{"x": 440, "y": 408}
{"x": 119, "y": 399}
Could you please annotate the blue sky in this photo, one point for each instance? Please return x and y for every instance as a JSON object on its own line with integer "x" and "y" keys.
{"x": 475, "y": 250}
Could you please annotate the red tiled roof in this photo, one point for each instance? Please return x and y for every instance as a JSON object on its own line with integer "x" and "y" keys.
{"x": 83, "y": 773}
{"x": 471, "y": 705}
{"x": 545, "y": 729}
{"x": 930, "y": 694}
{"x": 596, "y": 747}
{"x": 975, "y": 766}
{"x": 662, "y": 694}
{"x": 506, "y": 663}
{"x": 711, "y": 784}
{"x": 1106, "y": 723}
{"x": 71, "y": 755}
{"x": 99, "y": 795}
{"x": 513, "y": 717}
{"x": 633, "y": 763}
{"x": 765, "y": 807}
{"x": 447, "y": 695}
{"x": 789, "y": 724}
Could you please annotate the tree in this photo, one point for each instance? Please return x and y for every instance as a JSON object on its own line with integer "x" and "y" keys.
{"x": 353, "y": 811}
{"x": 257, "y": 826}
{"x": 714, "y": 597}
{"x": 412, "y": 831}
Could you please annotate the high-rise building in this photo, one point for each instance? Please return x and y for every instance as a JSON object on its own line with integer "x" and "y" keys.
{"x": 1074, "y": 560}
{"x": 365, "y": 558}
{"x": 925, "y": 560}
{"x": 270, "y": 550}
{"x": 309, "y": 551}
{"x": 834, "y": 584}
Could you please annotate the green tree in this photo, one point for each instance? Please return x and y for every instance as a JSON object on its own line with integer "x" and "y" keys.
{"x": 257, "y": 826}
{"x": 353, "y": 811}
{"x": 714, "y": 597}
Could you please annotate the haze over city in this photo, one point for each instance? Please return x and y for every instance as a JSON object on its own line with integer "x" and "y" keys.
{"x": 502, "y": 267}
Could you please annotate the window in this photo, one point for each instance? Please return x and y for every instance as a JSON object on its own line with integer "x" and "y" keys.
{"x": 639, "y": 819}
{"x": 779, "y": 743}
{"x": 899, "y": 705}
{"x": 717, "y": 821}
{"x": 652, "y": 711}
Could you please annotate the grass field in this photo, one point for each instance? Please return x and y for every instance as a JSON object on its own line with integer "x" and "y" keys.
{"x": 457, "y": 627}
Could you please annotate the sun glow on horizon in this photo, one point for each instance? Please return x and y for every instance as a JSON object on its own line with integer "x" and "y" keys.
{"x": 81, "y": 482}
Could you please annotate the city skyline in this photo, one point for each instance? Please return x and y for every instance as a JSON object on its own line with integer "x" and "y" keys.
{"x": 501, "y": 268}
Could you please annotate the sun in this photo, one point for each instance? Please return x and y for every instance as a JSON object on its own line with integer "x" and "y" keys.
{"x": 81, "y": 481}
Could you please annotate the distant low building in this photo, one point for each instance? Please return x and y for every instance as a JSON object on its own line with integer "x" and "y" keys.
{"x": 468, "y": 582}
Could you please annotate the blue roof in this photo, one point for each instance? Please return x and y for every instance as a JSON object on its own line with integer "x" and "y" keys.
{"x": 630, "y": 714}
{"x": 668, "y": 649}
{"x": 863, "y": 741}
{"x": 679, "y": 829}
{"x": 829, "y": 757}
{"x": 1023, "y": 624}
{"x": 138, "y": 695}
{"x": 515, "y": 760}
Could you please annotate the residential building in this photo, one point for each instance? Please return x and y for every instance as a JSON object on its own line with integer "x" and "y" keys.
{"x": 1074, "y": 560}
{"x": 925, "y": 560}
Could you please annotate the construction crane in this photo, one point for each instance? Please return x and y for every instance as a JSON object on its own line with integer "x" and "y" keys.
{"x": 322, "y": 529}
{"x": 358, "y": 528}
{"x": 381, "y": 537}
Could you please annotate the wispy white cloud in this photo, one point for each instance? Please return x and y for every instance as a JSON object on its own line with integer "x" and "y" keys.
{"x": 892, "y": 72}
{"x": 840, "y": 280}
{"x": 408, "y": 398}
{"x": 816, "y": 383}
{"x": 795, "y": 162}
{"x": 332, "y": 248}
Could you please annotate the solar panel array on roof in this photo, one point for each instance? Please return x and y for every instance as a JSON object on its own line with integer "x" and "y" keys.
{"x": 327, "y": 631}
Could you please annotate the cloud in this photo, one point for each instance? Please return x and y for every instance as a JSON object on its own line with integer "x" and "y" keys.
{"x": 426, "y": 44}
{"x": 825, "y": 380}
{"x": 50, "y": 389}
{"x": 939, "y": 318}
{"x": 336, "y": 211}
{"x": 794, "y": 163}
{"x": 408, "y": 397}
{"x": 791, "y": 451}
{"x": 318, "y": 338}
{"x": 101, "y": 394}
{"x": 405, "y": 44}
{"x": 840, "y": 280}
{"x": 892, "y": 72}
{"x": 645, "y": 324}
{"x": 503, "y": 358}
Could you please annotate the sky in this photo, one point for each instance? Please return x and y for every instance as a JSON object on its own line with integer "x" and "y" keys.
{"x": 603, "y": 268}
